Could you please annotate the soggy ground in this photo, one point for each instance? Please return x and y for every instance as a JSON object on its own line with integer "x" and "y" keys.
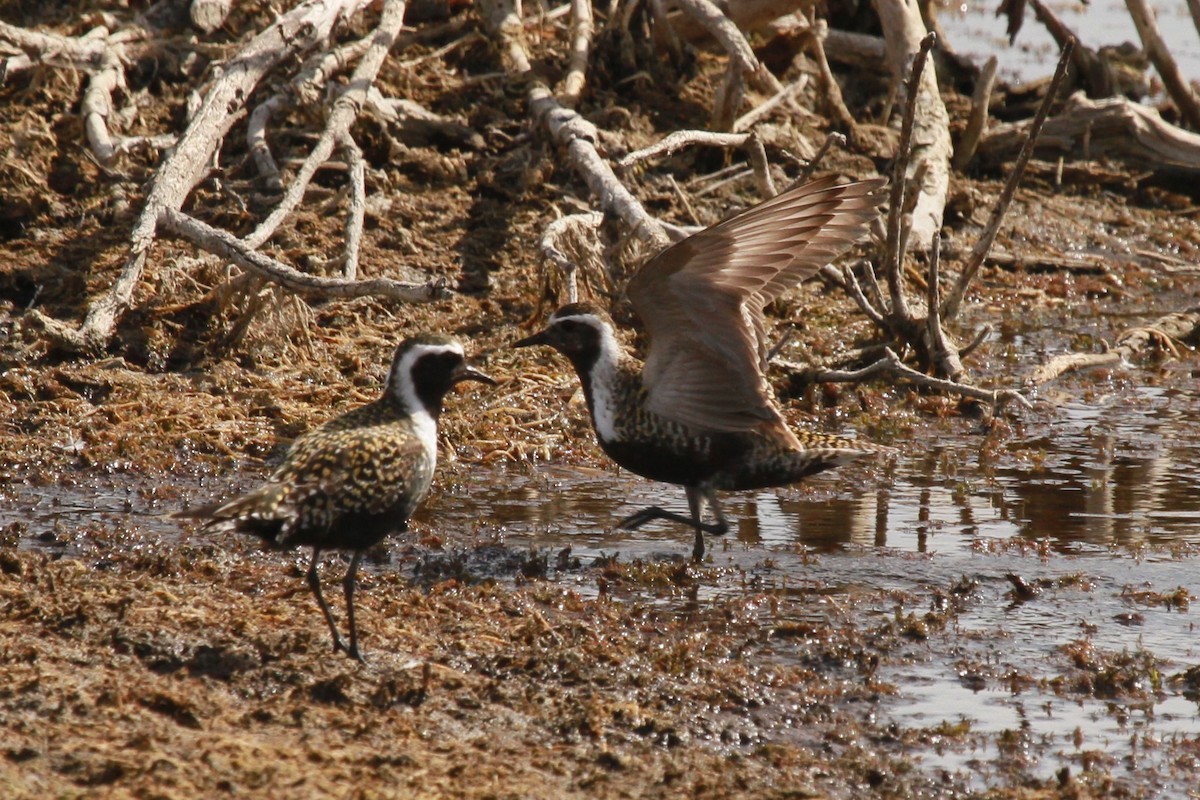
{"x": 1001, "y": 610}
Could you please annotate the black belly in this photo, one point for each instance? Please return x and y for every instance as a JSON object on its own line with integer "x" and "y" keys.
{"x": 688, "y": 463}
{"x": 348, "y": 531}
{"x": 728, "y": 461}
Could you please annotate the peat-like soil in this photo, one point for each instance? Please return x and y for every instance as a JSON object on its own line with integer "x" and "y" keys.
{"x": 142, "y": 664}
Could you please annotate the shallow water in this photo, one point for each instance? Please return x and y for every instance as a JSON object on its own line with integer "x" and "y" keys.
{"x": 974, "y": 30}
{"x": 1095, "y": 501}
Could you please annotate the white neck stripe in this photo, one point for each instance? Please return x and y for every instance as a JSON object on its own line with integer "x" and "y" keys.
{"x": 401, "y": 384}
{"x": 603, "y": 375}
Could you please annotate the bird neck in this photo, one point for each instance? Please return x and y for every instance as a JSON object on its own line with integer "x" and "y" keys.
{"x": 421, "y": 413}
{"x": 413, "y": 399}
{"x": 605, "y": 378}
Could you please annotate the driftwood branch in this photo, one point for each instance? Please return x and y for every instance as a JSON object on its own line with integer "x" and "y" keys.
{"x": 582, "y": 28}
{"x": 1177, "y": 87}
{"x": 904, "y": 32}
{"x": 230, "y": 248}
{"x": 891, "y": 366}
{"x": 894, "y": 256}
{"x": 221, "y": 107}
{"x": 1113, "y": 128}
{"x": 954, "y": 300}
{"x": 1167, "y": 334}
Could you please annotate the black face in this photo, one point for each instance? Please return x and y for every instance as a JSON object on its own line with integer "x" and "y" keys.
{"x": 575, "y": 331}
{"x": 434, "y": 371}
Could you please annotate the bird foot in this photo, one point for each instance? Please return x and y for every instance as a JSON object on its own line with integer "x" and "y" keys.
{"x": 352, "y": 650}
{"x": 640, "y": 518}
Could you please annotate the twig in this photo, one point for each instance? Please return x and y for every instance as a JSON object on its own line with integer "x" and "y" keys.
{"x": 814, "y": 42}
{"x": 1177, "y": 87}
{"x": 256, "y": 140}
{"x": 755, "y": 152}
{"x": 954, "y": 299}
{"x": 470, "y": 38}
{"x": 582, "y": 27}
{"x": 941, "y": 352}
{"x": 665, "y": 35}
{"x": 674, "y": 141}
{"x": 786, "y": 95}
{"x": 856, "y": 292}
{"x": 762, "y": 168}
{"x": 807, "y": 171}
{"x": 977, "y": 121}
{"x": 894, "y": 257}
{"x": 976, "y": 340}
{"x": 229, "y": 247}
{"x": 891, "y": 365}
{"x": 358, "y": 205}
{"x": 728, "y": 98}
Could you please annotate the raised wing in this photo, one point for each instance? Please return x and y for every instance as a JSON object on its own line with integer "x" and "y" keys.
{"x": 702, "y": 299}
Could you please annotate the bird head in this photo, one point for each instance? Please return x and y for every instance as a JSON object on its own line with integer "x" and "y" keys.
{"x": 426, "y": 367}
{"x": 580, "y": 331}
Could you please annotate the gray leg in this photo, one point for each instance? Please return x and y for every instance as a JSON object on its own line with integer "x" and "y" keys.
{"x": 348, "y": 584}
{"x": 314, "y": 583}
{"x": 696, "y": 499}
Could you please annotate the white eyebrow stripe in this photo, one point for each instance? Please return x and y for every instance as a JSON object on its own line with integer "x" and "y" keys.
{"x": 423, "y": 422}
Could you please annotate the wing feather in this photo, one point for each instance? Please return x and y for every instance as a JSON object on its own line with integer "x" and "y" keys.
{"x": 702, "y": 299}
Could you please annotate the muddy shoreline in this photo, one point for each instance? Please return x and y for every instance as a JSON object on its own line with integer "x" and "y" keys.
{"x": 855, "y": 636}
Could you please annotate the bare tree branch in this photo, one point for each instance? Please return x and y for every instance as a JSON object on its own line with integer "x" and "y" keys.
{"x": 1163, "y": 333}
{"x": 230, "y": 248}
{"x": 890, "y": 365}
{"x": 904, "y": 32}
{"x": 977, "y": 121}
{"x": 954, "y": 300}
{"x": 222, "y": 106}
{"x": 581, "y": 41}
{"x": 1177, "y": 87}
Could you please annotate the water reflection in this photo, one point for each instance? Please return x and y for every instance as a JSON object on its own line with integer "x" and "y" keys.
{"x": 1121, "y": 470}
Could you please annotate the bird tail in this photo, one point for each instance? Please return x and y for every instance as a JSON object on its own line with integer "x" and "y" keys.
{"x": 822, "y": 453}
{"x": 260, "y": 513}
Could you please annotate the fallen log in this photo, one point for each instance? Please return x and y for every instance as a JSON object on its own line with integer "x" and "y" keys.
{"x": 1113, "y": 128}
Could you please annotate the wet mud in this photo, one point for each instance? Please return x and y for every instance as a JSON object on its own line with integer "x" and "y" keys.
{"x": 1006, "y": 609}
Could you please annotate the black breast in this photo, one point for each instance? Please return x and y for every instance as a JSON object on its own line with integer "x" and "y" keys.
{"x": 687, "y": 462}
